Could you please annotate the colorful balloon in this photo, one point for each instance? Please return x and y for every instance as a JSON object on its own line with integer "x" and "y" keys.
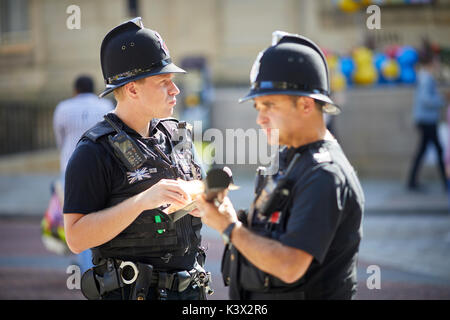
{"x": 338, "y": 82}
{"x": 408, "y": 75}
{"x": 362, "y": 56}
{"x": 390, "y": 70}
{"x": 407, "y": 56}
{"x": 392, "y": 51}
{"x": 366, "y": 2}
{"x": 347, "y": 68}
{"x": 348, "y": 6}
{"x": 332, "y": 61}
{"x": 378, "y": 60}
{"x": 365, "y": 73}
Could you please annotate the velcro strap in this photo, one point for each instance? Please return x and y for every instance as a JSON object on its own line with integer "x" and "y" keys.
{"x": 163, "y": 241}
{"x": 153, "y": 227}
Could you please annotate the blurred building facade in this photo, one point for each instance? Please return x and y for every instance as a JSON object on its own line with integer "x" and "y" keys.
{"x": 40, "y": 55}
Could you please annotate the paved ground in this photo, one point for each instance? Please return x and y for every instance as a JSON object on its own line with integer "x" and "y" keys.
{"x": 28, "y": 271}
{"x": 407, "y": 235}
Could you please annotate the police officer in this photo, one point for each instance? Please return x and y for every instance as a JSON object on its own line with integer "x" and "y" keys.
{"x": 300, "y": 237}
{"x": 123, "y": 180}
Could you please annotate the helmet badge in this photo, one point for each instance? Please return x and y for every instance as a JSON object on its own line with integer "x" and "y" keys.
{"x": 255, "y": 68}
{"x": 162, "y": 43}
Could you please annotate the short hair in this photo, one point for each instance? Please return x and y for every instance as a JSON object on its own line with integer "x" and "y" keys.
{"x": 118, "y": 93}
{"x": 318, "y": 103}
{"x": 84, "y": 84}
{"x": 426, "y": 57}
{"x": 426, "y": 52}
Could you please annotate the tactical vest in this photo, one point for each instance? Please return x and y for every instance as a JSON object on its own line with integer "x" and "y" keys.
{"x": 246, "y": 281}
{"x": 152, "y": 238}
{"x": 240, "y": 274}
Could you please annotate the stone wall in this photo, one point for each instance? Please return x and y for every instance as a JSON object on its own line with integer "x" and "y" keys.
{"x": 228, "y": 33}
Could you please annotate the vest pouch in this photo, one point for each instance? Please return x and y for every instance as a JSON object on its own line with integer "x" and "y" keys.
{"x": 197, "y": 226}
{"x": 89, "y": 285}
{"x": 229, "y": 256}
{"x": 152, "y": 229}
{"x": 253, "y": 279}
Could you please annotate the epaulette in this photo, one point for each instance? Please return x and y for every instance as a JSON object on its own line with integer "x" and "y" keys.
{"x": 101, "y": 129}
{"x": 170, "y": 125}
{"x": 322, "y": 155}
{"x": 168, "y": 119}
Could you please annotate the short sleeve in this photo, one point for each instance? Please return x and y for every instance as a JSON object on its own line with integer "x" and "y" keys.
{"x": 86, "y": 181}
{"x": 315, "y": 214}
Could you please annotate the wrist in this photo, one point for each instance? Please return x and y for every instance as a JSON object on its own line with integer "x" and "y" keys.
{"x": 138, "y": 203}
{"x": 230, "y": 230}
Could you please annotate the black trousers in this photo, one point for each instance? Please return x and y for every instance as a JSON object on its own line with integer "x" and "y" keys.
{"x": 189, "y": 294}
{"x": 428, "y": 134}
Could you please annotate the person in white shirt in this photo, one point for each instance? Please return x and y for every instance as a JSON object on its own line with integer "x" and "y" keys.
{"x": 72, "y": 117}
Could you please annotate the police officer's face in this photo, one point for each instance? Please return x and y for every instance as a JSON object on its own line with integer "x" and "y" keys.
{"x": 279, "y": 117}
{"x": 158, "y": 95}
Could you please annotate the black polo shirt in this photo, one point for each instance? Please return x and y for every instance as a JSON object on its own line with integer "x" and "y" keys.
{"x": 323, "y": 218}
{"x": 95, "y": 180}
{"x": 93, "y": 172}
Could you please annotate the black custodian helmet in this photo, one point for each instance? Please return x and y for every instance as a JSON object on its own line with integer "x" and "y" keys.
{"x": 293, "y": 65}
{"x": 130, "y": 52}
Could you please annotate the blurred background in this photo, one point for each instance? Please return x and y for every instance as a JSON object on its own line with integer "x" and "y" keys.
{"x": 373, "y": 77}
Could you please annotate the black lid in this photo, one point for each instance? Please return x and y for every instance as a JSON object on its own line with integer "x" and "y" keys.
{"x": 130, "y": 52}
{"x": 293, "y": 65}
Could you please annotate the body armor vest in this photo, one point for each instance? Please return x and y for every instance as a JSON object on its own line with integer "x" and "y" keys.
{"x": 152, "y": 238}
{"x": 239, "y": 273}
{"x": 271, "y": 212}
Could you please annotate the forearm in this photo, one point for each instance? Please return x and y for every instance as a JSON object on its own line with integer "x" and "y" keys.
{"x": 94, "y": 229}
{"x": 269, "y": 255}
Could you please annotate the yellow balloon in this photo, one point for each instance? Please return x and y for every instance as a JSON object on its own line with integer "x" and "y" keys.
{"x": 365, "y": 75}
{"x": 390, "y": 69}
{"x": 338, "y": 82}
{"x": 362, "y": 56}
{"x": 348, "y": 6}
{"x": 332, "y": 61}
{"x": 192, "y": 100}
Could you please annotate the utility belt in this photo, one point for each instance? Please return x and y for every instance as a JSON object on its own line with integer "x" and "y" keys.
{"x": 112, "y": 274}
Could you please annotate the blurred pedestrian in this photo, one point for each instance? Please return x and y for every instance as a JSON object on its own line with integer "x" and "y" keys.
{"x": 71, "y": 119}
{"x": 447, "y": 150}
{"x": 426, "y": 113}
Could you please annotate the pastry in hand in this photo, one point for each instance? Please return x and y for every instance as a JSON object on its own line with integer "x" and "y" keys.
{"x": 193, "y": 188}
